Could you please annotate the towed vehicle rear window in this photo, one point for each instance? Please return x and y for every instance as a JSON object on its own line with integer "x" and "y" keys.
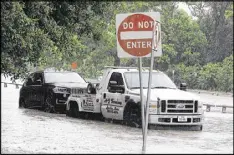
{"x": 58, "y": 77}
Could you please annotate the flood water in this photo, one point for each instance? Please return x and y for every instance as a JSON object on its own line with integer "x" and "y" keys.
{"x": 33, "y": 131}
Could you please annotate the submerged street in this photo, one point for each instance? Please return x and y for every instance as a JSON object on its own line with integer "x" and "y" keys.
{"x": 34, "y": 131}
{"x": 97, "y": 68}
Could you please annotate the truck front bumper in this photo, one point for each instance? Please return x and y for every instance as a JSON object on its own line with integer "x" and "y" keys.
{"x": 175, "y": 119}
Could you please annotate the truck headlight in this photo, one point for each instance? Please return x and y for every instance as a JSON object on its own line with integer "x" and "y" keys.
{"x": 200, "y": 106}
{"x": 153, "y": 108}
{"x": 61, "y": 90}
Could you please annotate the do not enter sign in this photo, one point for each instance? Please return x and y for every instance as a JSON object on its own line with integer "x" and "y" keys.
{"x": 135, "y": 34}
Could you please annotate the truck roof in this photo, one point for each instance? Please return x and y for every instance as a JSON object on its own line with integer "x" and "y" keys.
{"x": 124, "y": 70}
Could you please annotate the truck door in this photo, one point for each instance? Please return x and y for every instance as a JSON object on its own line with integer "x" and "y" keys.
{"x": 37, "y": 89}
{"x": 27, "y": 92}
{"x": 112, "y": 106}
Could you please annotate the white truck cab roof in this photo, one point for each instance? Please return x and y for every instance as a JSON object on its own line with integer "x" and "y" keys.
{"x": 123, "y": 70}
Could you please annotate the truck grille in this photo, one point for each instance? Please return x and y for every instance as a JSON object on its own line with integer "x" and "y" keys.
{"x": 180, "y": 111}
{"x": 179, "y": 106}
{"x": 163, "y": 106}
{"x": 78, "y": 91}
{"x": 61, "y": 98}
{"x": 195, "y": 106}
{"x": 180, "y": 101}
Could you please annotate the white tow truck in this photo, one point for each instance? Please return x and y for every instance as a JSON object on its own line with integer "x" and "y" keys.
{"x": 117, "y": 97}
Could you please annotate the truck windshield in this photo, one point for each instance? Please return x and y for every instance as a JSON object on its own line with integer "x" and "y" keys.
{"x": 159, "y": 80}
{"x": 63, "y": 77}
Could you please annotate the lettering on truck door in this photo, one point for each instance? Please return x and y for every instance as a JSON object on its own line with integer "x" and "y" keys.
{"x": 87, "y": 102}
{"x": 117, "y": 106}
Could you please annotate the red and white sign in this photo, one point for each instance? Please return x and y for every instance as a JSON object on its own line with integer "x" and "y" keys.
{"x": 135, "y": 33}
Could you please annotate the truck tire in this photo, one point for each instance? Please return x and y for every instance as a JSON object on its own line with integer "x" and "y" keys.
{"x": 74, "y": 110}
{"x": 132, "y": 116}
{"x": 200, "y": 127}
{"x": 196, "y": 128}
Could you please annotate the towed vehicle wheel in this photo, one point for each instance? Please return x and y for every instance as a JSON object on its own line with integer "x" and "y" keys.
{"x": 22, "y": 103}
{"x": 132, "y": 116}
{"x": 49, "y": 107}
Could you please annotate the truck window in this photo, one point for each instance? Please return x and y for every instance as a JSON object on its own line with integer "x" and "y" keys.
{"x": 158, "y": 80}
{"x": 63, "y": 77}
{"x": 117, "y": 77}
{"x": 36, "y": 77}
{"x": 29, "y": 81}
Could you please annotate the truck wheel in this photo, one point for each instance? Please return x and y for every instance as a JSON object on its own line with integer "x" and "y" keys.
{"x": 200, "y": 127}
{"x": 132, "y": 116}
{"x": 196, "y": 128}
{"x": 74, "y": 110}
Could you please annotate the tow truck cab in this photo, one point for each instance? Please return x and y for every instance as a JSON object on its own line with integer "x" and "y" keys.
{"x": 118, "y": 94}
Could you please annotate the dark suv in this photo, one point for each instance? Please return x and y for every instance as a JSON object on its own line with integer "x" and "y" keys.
{"x": 49, "y": 90}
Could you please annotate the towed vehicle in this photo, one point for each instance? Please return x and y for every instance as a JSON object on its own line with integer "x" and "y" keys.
{"x": 117, "y": 97}
{"x": 49, "y": 90}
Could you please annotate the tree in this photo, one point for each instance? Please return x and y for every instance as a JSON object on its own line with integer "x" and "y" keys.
{"x": 45, "y": 33}
{"x": 21, "y": 40}
{"x": 216, "y": 21}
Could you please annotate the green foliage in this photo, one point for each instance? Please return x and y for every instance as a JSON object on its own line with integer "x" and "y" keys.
{"x": 216, "y": 22}
{"x": 224, "y": 77}
{"x": 208, "y": 73}
{"x": 187, "y": 74}
{"x": 55, "y": 34}
{"x": 22, "y": 42}
{"x": 212, "y": 76}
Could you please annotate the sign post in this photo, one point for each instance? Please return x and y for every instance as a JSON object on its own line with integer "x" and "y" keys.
{"x": 141, "y": 96}
{"x": 134, "y": 33}
{"x": 156, "y": 38}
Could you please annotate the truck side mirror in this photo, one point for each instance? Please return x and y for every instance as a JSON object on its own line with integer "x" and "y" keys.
{"x": 97, "y": 86}
{"x": 91, "y": 89}
{"x": 183, "y": 86}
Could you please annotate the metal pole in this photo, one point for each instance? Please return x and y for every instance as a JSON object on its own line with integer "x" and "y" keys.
{"x": 147, "y": 101}
{"x": 149, "y": 91}
{"x": 141, "y": 96}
